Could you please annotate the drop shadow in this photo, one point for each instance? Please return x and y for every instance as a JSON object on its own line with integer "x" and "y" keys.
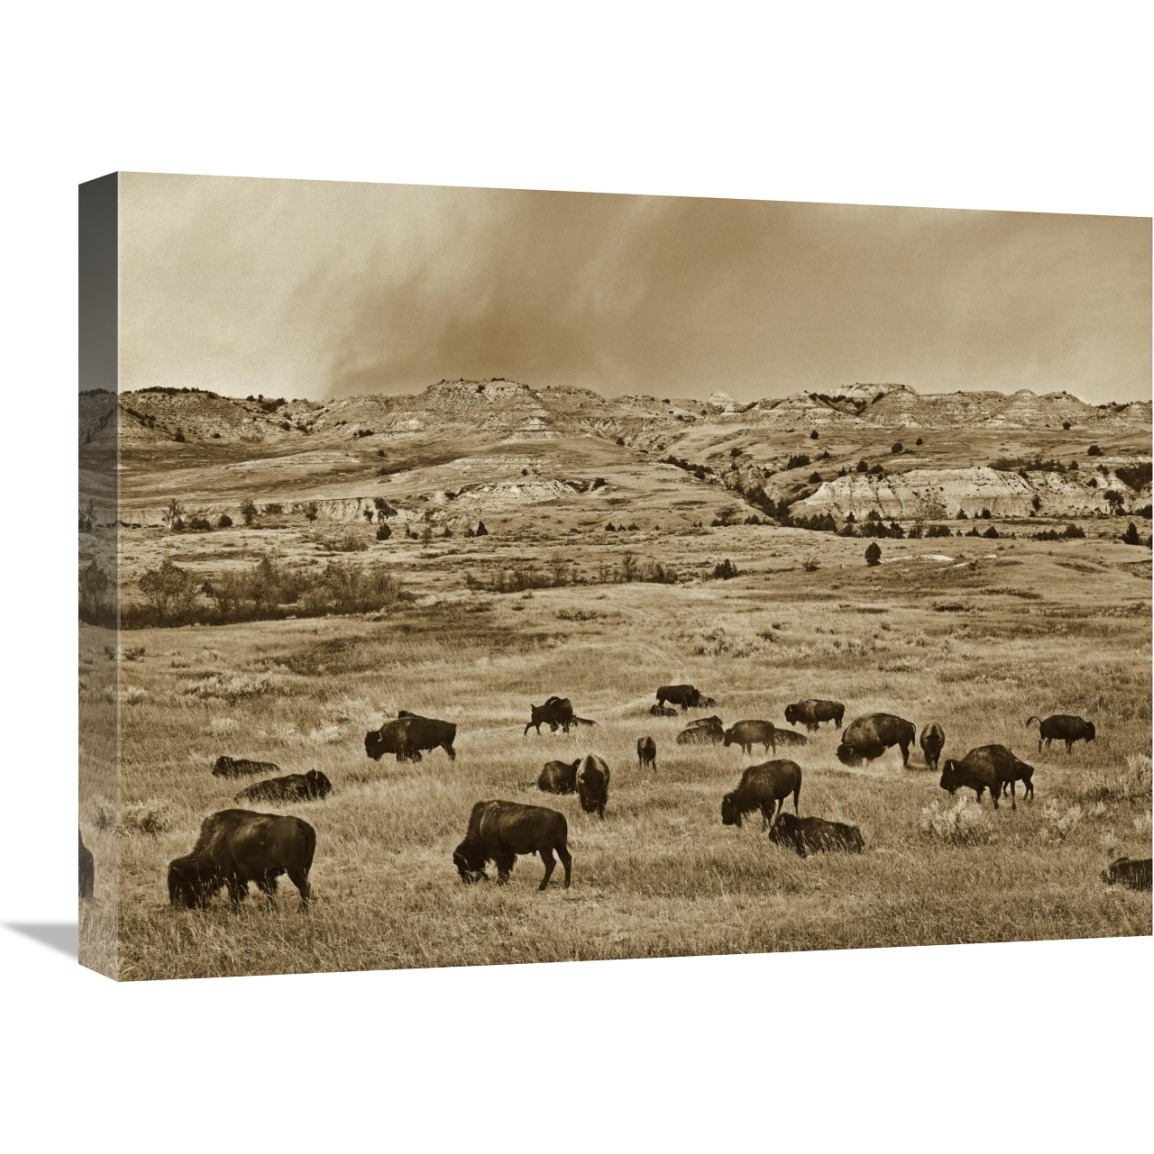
{"x": 61, "y": 936}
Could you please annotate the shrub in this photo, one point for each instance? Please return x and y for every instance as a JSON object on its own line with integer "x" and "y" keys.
{"x": 1131, "y": 537}
{"x": 134, "y": 695}
{"x": 1065, "y": 424}
{"x": 725, "y": 570}
{"x": 963, "y": 823}
{"x": 169, "y": 590}
{"x": 863, "y": 466}
{"x": 1137, "y": 477}
{"x": 225, "y": 521}
{"x": 384, "y": 532}
{"x": 200, "y": 524}
{"x": 919, "y": 441}
{"x": 1056, "y": 825}
{"x": 1093, "y": 451}
{"x": 873, "y": 554}
{"x": 811, "y": 565}
{"x": 95, "y": 608}
{"x": 311, "y": 511}
{"x": 897, "y": 447}
{"x": 798, "y": 461}
{"x": 248, "y": 512}
{"x": 151, "y": 817}
{"x": 815, "y": 478}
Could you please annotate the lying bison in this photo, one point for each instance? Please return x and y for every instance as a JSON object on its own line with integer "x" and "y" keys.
{"x": 870, "y": 736}
{"x": 237, "y": 846}
{"x": 806, "y": 835}
{"x": 747, "y": 734}
{"x": 662, "y": 711}
{"x": 687, "y": 696}
{"x": 814, "y": 711}
{"x": 788, "y": 737}
{"x": 558, "y": 777}
{"x": 703, "y": 731}
{"x": 762, "y": 787}
{"x": 500, "y": 830}
{"x": 1133, "y": 874}
{"x": 989, "y": 767}
{"x": 932, "y": 740}
{"x": 293, "y": 787}
{"x": 87, "y": 868}
{"x": 593, "y": 785}
{"x": 241, "y": 767}
{"x": 1062, "y": 727}
{"x": 408, "y": 735}
{"x": 647, "y": 753}
{"x": 557, "y": 711}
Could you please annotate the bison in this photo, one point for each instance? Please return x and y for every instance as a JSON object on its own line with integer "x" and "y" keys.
{"x": 762, "y": 787}
{"x": 1062, "y": 727}
{"x": 593, "y": 785}
{"x": 687, "y": 696}
{"x": 806, "y": 835}
{"x": 814, "y": 711}
{"x": 788, "y": 737}
{"x": 988, "y": 767}
{"x": 662, "y": 711}
{"x": 932, "y": 739}
{"x": 500, "y": 830}
{"x": 294, "y": 787}
{"x": 87, "y": 868}
{"x": 408, "y": 735}
{"x": 1133, "y": 874}
{"x": 703, "y": 731}
{"x": 747, "y": 734}
{"x": 241, "y": 767}
{"x": 647, "y": 753}
{"x": 870, "y": 736}
{"x": 558, "y": 777}
{"x": 238, "y": 846}
{"x": 557, "y": 711}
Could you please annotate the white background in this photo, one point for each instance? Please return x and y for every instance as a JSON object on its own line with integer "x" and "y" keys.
{"x": 978, "y": 106}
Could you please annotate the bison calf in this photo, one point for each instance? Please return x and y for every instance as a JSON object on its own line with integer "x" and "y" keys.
{"x": 293, "y": 787}
{"x": 593, "y": 785}
{"x": 806, "y": 835}
{"x": 647, "y": 753}
{"x": 87, "y": 868}
{"x": 747, "y": 734}
{"x": 762, "y": 787}
{"x": 557, "y": 777}
{"x": 500, "y": 830}
{"x": 1133, "y": 874}
{"x": 241, "y": 767}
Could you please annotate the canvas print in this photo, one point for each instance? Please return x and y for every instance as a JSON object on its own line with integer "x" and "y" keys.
{"x": 478, "y": 576}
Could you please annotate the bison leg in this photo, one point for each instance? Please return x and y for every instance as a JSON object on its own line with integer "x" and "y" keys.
{"x": 550, "y": 864}
{"x": 505, "y": 862}
{"x": 237, "y": 889}
{"x": 905, "y": 753}
{"x": 300, "y": 879}
{"x": 1069, "y": 747}
{"x": 1028, "y": 789}
{"x": 267, "y": 886}
{"x": 566, "y": 861}
{"x": 1013, "y": 795}
{"x": 796, "y": 795}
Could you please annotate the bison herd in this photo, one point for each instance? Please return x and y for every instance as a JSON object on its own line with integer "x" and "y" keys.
{"x": 238, "y": 846}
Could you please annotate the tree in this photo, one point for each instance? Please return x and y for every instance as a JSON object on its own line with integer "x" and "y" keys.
{"x": 815, "y": 478}
{"x": 1093, "y": 451}
{"x": 173, "y": 512}
{"x": 94, "y": 586}
{"x": 248, "y": 511}
{"x": 1130, "y": 537}
{"x": 897, "y": 447}
{"x": 383, "y": 532}
{"x": 225, "y": 522}
{"x": 873, "y": 553}
{"x": 814, "y": 435}
{"x": 170, "y": 590}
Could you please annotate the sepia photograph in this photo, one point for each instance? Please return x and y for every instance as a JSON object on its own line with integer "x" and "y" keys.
{"x": 475, "y": 576}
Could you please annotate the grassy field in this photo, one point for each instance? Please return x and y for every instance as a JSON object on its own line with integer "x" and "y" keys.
{"x": 974, "y": 634}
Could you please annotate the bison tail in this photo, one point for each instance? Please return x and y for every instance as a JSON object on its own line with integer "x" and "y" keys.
{"x": 1037, "y": 719}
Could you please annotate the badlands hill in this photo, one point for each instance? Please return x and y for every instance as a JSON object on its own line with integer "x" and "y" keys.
{"x": 460, "y": 450}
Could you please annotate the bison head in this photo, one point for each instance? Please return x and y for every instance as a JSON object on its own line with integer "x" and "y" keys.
{"x": 730, "y": 814}
{"x": 791, "y": 714}
{"x": 706, "y": 702}
{"x": 949, "y": 776}
{"x": 375, "y": 745}
{"x": 223, "y": 767}
{"x": 191, "y": 884}
{"x": 470, "y": 863}
{"x": 847, "y": 755}
{"x": 317, "y": 784}
{"x": 1090, "y": 732}
{"x": 727, "y": 737}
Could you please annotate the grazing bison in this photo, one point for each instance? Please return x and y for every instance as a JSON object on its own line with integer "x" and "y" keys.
{"x": 1133, "y": 874}
{"x": 1062, "y": 727}
{"x": 294, "y": 787}
{"x": 687, "y": 696}
{"x": 241, "y": 767}
{"x": 870, "y": 736}
{"x": 806, "y": 835}
{"x": 747, "y": 734}
{"x": 647, "y": 753}
{"x": 932, "y": 739}
{"x": 593, "y": 785}
{"x": 762, "y": 787}
{"x": 662, "y": 711}
{"x": 558, "y": 777}
{"x": 237, "y": 846}
{"x": 408, "y": 735}
{"x": 703, "y": 731}
{"x": 814, "y": 711}
{"x": 557, "y": 711}
{"x": 500, "y": 830}
{"x": 988, "y": 767}
{"x": 87, "y": 868}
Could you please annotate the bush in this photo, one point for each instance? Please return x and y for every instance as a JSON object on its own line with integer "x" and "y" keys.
{"x": 1131, "y": 537}
{"x": 726, "y": 570}
{"x": 311, "y": 511}
{"x": 169, "y": 590}
{"x": 863, "y": 466}
{"x": 1136, "y": 477}
{"x": 248, "y": 512}
{"x": 963, "y": 823}
{"x": 1056, "y": 825}
{"x": 225, "y": 521}
{"x": 1065, "y": 424}
{"x": 1093, "y": 451}
{"x": 873, "y": 554}
{"x": 813, "y": 435}
{"x": 919, "y": 441}
{"x": 897, "y": 447}
{"x": 95, "y": 608}
{"x": 798, "y": 461}
{"x": 384, "y": 532}
{"x": 200, "y": 524}
{"x": 815, "y": 478}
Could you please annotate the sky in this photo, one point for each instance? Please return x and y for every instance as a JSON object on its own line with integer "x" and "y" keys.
{"x": 320, "y": 289}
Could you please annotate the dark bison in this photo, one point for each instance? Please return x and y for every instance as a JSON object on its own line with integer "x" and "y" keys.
{"x": 814, "y": 711}
{"x": 237, "y": 846}
{"x": 593, "y": 785}
{"x": 1133, "y": 874}
{"x": 870, "y": 736}
{"x": 687, "y": 696}
{"x": 408, "y": 735}
{"x": 747, "y": 734}
{"x": 647, "y": 753}
{"x": 241, "y": 767}
{"x": 557, "y": 711}
{"x": 932, "y": 739}
{"x": 500, "y": 830}
{"x": 558, "y": 777}
{"x": 806, "y": 835}
{"x": 788, "y": 737}
{"x": 1062, "y": 727}
{"x": 703, "y": 731}
{"x": 762, "y": 787}
{"x": 988, "y": 767}
{"x": 294, "y": 787}
{"x": 87, "y": 868}
{"x": 662, "y": 711}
